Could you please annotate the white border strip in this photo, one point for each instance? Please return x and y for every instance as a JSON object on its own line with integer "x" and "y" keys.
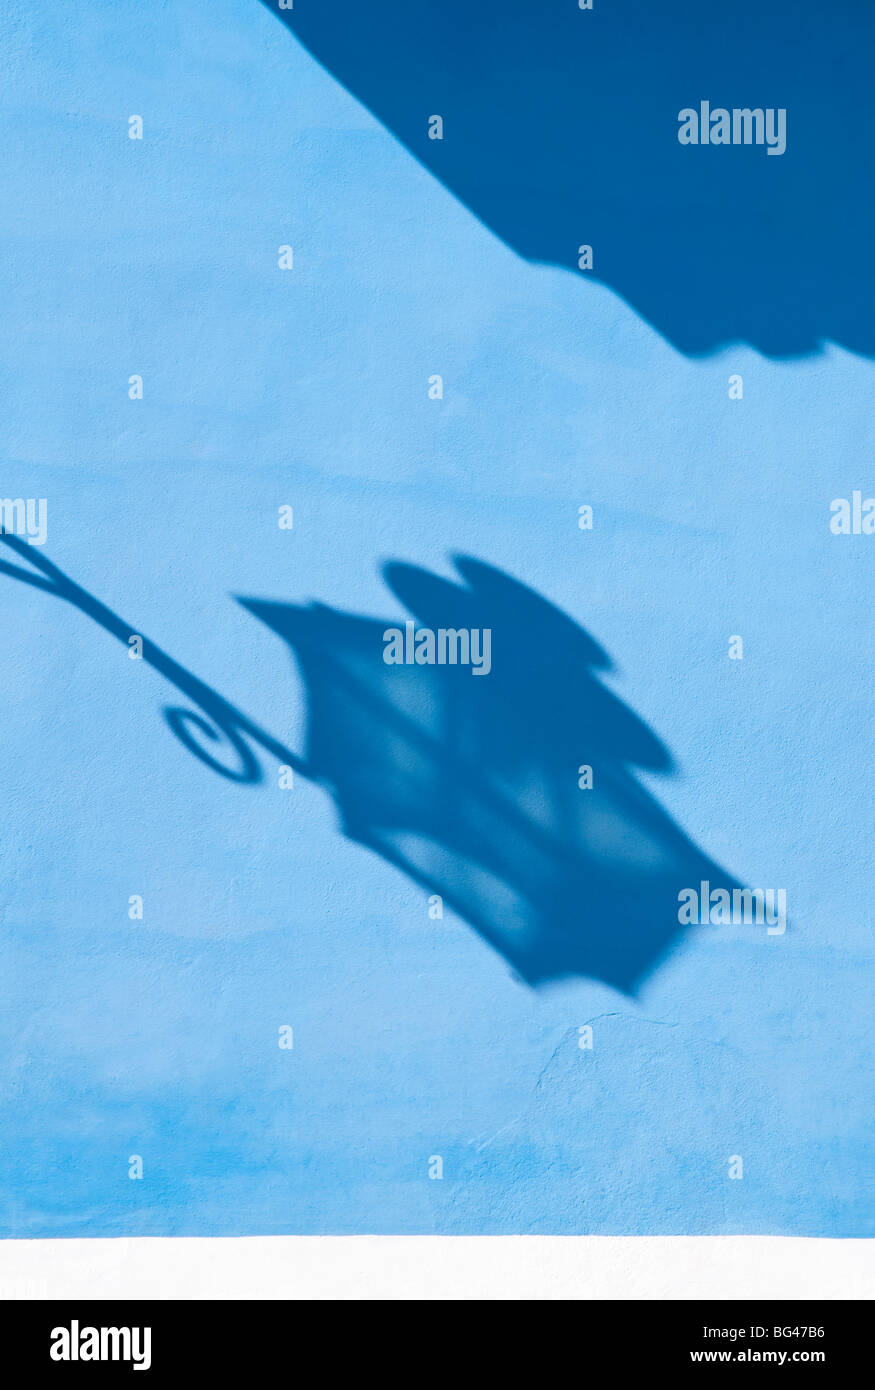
{"x": 439, "y": 1267}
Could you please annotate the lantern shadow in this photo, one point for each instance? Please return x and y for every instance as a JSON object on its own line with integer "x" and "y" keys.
{"x": 476, "y": 785}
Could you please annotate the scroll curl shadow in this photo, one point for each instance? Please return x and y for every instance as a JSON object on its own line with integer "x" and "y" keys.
{"x": 219, "y": 718}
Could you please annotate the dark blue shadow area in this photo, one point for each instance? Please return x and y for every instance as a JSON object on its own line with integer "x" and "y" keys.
{"x": 561, "y": 126}
{"x": 470, "y": 783}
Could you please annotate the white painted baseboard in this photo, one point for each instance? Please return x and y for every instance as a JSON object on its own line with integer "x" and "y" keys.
{"x": 439, "y": 1267}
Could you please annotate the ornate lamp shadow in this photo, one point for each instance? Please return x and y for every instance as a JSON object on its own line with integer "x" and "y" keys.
{"x": 472, "y": 785}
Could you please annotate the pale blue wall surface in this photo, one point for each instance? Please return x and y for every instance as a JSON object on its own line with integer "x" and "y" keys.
{"x": 413, "y": 1037}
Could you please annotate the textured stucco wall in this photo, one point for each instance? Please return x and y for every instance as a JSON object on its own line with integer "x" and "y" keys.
{"x": 309, "y": 387}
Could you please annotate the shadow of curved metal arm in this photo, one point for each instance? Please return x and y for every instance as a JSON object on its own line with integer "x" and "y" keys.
{"x": 220, "y": 720}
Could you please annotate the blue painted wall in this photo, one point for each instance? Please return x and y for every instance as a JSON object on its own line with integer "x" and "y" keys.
{"x": 308, "y": 907}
